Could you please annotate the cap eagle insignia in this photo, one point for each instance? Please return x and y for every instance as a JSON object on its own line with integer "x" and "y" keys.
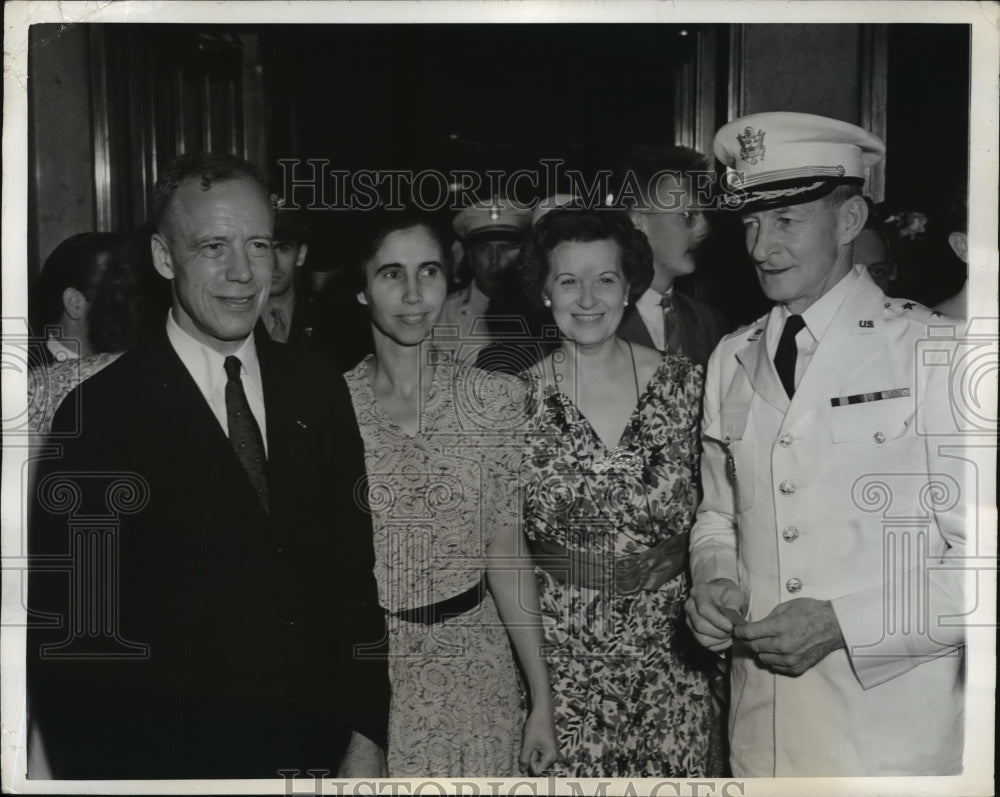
{"x": 751, "y": 145}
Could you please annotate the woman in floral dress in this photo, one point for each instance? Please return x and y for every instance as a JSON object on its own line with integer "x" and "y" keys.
{"x": 609, "y": 499}
{"x": 442, "y": 455}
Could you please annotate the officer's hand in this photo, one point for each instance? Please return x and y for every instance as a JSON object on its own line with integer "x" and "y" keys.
{"x": 794, "y": 637}
{"x": 704, "y": 612}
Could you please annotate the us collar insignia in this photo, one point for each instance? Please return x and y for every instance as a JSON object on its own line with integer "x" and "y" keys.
{"x": 751, "y": 145}
{"x": 755, "y": 335}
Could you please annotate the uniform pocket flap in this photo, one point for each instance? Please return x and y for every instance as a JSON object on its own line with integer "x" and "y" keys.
{"x": 874, "y": 422}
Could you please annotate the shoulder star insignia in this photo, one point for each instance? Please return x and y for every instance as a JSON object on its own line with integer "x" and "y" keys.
{"x": 908, "y": 306}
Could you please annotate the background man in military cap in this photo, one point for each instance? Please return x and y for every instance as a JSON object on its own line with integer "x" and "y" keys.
{"x": 841, "y": 663}
{"x": 495, "y": 324}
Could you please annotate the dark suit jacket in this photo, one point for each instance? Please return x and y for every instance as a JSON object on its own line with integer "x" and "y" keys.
{"x": 701, "y": 327}
{"x": 225, "y": 642}
{"x": 329, "y": 322}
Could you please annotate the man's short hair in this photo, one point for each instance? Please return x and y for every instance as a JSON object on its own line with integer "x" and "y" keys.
{"x": 646, "y": 161}
{"x": 841, "y": 193}
{"x": 209, "y": 168}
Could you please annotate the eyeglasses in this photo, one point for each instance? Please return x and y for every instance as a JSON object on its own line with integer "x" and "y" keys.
{"x": 691, "y": 217}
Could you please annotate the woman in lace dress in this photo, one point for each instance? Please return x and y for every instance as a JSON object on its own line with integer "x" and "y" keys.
{"x": 610, "y": 497}
{"x": 442, "y": 455}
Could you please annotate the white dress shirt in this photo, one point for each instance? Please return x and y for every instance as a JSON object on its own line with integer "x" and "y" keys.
{"x": 206, "y": 367}
{"x": 817, "y": 318}
{"x": 651, "y": 313}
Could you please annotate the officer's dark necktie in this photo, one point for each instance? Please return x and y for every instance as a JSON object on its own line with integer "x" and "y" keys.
{"x": 244, "y": 433}
{"x": 671, "y": 328}
{"x": 784, "y": 357}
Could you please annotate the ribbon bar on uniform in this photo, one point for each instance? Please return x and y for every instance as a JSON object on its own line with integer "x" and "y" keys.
{"x": 861, "y": 398}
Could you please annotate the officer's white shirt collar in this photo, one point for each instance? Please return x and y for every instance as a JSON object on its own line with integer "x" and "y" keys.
{"x": 651, "y": 313}
{"x": 206, "y": 367}
{"x": 818, "y": 317}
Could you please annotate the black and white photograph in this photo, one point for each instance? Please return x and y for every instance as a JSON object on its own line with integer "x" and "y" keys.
{"x": 499, "y": 398}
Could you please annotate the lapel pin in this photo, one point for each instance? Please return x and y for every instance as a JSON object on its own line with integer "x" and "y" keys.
{"x": 302, "y": 424}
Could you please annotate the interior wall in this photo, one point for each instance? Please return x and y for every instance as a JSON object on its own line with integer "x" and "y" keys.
{"x": 806, "y": 68}
{"x": 61, "y": 150}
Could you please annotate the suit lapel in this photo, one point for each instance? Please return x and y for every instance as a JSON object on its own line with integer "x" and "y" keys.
{"x": 846, "y": 346}
{"x": 759, "y": 368}
{"x": 691, "y": 327}
{"x": 632, "y": 328}
{"x": 189, "y": 429}
{"x": 287, "y": 430}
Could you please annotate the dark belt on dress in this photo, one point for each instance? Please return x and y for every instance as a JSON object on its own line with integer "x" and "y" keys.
{"x": 449, "y": 607}
{"x": 623, "y": 575}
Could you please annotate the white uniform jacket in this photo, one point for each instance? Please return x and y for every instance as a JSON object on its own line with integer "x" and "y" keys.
{"x": 843, "y": 494}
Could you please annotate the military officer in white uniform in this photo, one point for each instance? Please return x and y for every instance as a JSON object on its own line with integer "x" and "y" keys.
{"x": 830, "y": 514}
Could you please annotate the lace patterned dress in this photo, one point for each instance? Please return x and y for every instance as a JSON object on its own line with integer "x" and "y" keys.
{"x": 457, "y": 708}
{"x": 629, "y": 699}
{"x": 49, "y": 384}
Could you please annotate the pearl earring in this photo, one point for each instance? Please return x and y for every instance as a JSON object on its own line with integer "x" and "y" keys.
{"x": 626, "y": 301}
{"x": 547, "y": 301}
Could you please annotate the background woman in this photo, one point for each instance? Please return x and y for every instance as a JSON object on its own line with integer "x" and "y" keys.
{"x": 610, "y": 497}
{"x": 442, "y": 458}
{"x": 86, "y": 301}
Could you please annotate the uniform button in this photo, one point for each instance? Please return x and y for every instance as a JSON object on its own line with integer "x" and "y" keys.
{"x": 879, "y": 437}
{"x": 785, "y": 440}
{"x": 793, "y": 585}
{"x": 790, "y": 534}
{"x": 786, "y": 487}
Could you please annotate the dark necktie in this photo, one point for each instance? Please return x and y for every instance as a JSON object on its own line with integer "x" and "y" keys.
{"x": 244, "y": 433}
{"x": 279, "y": 327}
{"x": 784, "y": 357}
{"x": 671, "y": 328}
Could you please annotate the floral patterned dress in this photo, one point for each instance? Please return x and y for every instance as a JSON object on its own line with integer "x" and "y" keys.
{"x": 630, "y": 701}
{"x": 457, "y": 708}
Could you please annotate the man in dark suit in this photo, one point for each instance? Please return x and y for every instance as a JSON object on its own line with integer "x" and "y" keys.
{"x": 201, "y": 560}
{"x": 658, "y": 181}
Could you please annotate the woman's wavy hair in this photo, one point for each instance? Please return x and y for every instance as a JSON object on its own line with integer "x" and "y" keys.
{"x": 583, "y": 226}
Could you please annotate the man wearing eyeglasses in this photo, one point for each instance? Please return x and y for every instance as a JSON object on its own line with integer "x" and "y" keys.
{"x": 659, "y": 184}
